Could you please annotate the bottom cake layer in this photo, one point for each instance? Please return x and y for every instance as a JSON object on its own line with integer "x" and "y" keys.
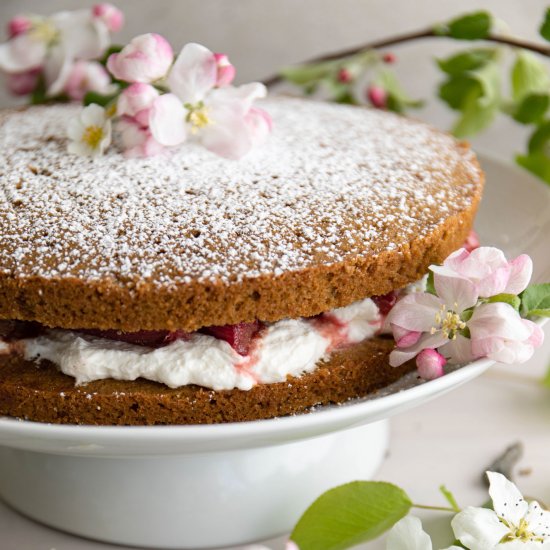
{"x": 41, "y": 393}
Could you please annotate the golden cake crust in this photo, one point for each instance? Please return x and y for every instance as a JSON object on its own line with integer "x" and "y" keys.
{"x": 342, "y": 203}
{"x": 41, "y": 393}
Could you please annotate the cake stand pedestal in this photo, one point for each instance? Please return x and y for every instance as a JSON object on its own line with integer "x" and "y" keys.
{"x": 195, "y": 501}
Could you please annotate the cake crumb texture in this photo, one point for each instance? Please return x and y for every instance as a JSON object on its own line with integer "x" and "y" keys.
{"x": 41, "y": 393}
{"x": 341, "y": 203}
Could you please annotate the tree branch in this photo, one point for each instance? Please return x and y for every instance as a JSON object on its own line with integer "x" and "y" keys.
{"x": 410, "y": 37}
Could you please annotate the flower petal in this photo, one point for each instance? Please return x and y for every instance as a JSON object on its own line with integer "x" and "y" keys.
{"x": 167, "y": 120}
{"x": 459, "y": 351}
{"x": 22, "y": 53}
{"x": 415, "y": 312}
{"x": 407, "y": 534}
{"x": 456, "y": 292}
{"x": 508, "y": 502}
{"x": 428, "y": 341}
{"x": 82, "y": 36}
{"x": 498, "y": 319}
{"x": 478, "y": 528}
{"x": 193, "y": 74}
{"x": 521, "y": 269}
{"x": 538, "y": 520}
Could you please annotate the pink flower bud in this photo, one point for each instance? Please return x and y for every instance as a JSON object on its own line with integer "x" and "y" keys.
{"x": 472, "y": 241}
{"x": 344, "y": 76}
{"x": 389, "y": 58}
{"x": 22, "y": 83}
{"x": 110, "y": 15}
{"x": 18, "y": 25}
{"x": 377, "y": 96}
{"x": 226, "y": 71}
{"x": 145, "y": 59}
{"x": 87, "y": 76}
{"x": 430, "y": 364}
{"x": 136, "y": 102}
{"x": 291, "y": 545}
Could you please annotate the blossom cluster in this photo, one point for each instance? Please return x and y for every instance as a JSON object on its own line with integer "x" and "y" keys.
{"x": 512, "y": 523}
{"x": 166, "y": 101}
{"x": 469, "y": 311}
{"x": 57, "y": 55}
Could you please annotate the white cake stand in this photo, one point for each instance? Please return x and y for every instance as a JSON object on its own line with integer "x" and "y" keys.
{"x": 206, "y": 486}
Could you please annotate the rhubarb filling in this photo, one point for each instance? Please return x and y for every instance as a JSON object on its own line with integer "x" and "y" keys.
{"x": 218, "y": 357}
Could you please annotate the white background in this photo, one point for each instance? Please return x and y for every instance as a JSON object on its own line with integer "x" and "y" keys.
{"x": 447, "y": 441}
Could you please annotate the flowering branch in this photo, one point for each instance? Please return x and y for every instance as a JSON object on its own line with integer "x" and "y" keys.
{"x": 403, "y": 39}
{"x": 472, "y": 84}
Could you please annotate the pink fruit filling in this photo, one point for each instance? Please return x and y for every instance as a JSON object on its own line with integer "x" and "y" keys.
{"x": 239, "y": 336}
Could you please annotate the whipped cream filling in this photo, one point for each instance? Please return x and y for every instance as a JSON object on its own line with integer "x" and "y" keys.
{"x": 290, "y": 347}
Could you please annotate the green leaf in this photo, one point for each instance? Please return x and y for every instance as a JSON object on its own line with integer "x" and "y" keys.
{"x": 430, "y": 286}
{"x": 468, "y": 60}
{"x": 511, "y": 299}
{"x": 545, "y": 27}
{"x": 350, "y": 514}
{"x": 472, "y": 26}
{"x": 536, "y": 163}
{"x": 100, "y": 99}
{"x": 529, "y": 76}
{"x": 398, "y": 99}
{"x": 113, "y": 48}
{"x": 531, "y": 109}
{"x": 535, "y": 301}
{"x": 302, "y": 75}
{"x": 546, "y": 380}
{"x": 476, "y": 94}
{"x": 537, "y": 159}
{"x": 449, "y": 497}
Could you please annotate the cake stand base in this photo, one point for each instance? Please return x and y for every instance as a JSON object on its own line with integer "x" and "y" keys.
{"x": 189, "y": 501}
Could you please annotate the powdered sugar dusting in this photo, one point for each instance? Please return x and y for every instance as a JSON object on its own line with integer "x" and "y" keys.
{"x": 331, "y": 183}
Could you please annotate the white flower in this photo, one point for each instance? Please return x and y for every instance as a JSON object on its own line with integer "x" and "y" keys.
{"x": 90, "y": 133}
{"x": 223, "y": 119}
{"x": 51, "y": 44}
{"x": 512, "y": 524}
{"x": 407, "y": 534}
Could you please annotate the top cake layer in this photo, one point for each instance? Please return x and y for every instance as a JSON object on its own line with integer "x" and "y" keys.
{"x": 341, "y": 203}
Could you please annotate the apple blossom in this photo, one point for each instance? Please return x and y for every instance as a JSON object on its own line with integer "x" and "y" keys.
{"x": 223, "y": 119}
{"x": 87, "y": 76}
{"x": 498, "y": 332}
{"x": 90, "y": 133}
{"x": 136, "y": 102}
{"x": 110, "y": 15}
{"x": 437, "y": 318}
{"x": 430, "y": 364}
{"x": 472, "y": 241}
{"x": 407, "y": 534}
{"x": 137, "y": 140}
{"x": 225, "y": 70}
{"x": 19, "y": 25}
{"x": 22, "y": 83}
{"x": 489, "y": 270}
{"x": 512, "y": 520}
{"x": 52, "y": 44}
{"x": 146, "y": 58}
{"x": 377, "y": 96}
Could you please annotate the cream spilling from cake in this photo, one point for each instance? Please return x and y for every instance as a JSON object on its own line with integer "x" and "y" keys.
{"x": 290, "y": 347}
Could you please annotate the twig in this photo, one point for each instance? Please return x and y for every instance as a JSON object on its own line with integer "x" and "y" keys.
{"x": 409, "y": 37}
{"x": 504, "y": 464}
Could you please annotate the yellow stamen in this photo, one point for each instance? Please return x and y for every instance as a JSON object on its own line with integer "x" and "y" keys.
{"x": 448, "y": 322}
{"x": 520, "y": 532}
{"x": 92, "y": 136}
{"x": 44, "y": 31}
{"x": 198, "y": 116}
